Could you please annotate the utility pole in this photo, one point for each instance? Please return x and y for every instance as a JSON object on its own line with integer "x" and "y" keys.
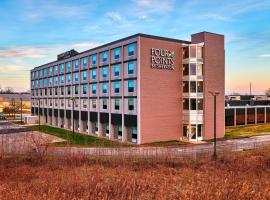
{"x": 215, "y": 94}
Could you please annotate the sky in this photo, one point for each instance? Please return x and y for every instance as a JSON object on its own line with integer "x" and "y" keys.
{"x": 34, "y": 32}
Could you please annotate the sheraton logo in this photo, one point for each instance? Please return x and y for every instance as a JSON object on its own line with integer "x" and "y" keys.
{"x": 162, "y": 59}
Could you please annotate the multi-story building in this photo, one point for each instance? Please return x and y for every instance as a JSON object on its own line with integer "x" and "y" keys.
{"x": 139, "y": 89}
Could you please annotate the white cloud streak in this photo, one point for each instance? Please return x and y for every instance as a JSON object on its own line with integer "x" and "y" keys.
{"x": 264, "y": 56}
{"x": 25, "y": 52}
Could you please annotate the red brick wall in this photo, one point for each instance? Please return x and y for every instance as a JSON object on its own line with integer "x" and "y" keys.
{"x": 214, "y": 80}
{"x": 160, "y": 94}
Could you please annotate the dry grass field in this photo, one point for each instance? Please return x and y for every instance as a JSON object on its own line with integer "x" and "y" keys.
{"x": 244, "y": 175}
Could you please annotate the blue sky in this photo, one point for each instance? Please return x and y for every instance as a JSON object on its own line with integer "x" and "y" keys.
{"x": 33, "y": 32}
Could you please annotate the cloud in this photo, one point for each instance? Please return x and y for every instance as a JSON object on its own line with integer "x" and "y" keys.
{"x": 216, "y": 17}
{"x": 13, "y": 68}
{"x": 154, "y": 5}
{"x": 23, "y": 52}
{"x": 85, "y": 45}
{"x": 264, "y": 56}
{"x": 114, "y": 16}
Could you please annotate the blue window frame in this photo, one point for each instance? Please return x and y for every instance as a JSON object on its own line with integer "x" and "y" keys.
{"x": 104, "y": 88}
{"x": 62, "y": 68}
{"x": 36, "y": 74}
{"x": 116, "y": 70}
{"x": 104, "y": 56}
{"x": 84, "y": 75}
{"x": 84, "y": 89}
{"x": 131, "y": 68}
{"x": 62, "y": 79}
{"x": 68, "y": 78}
{"x": 50, "y": 82}
{"x": 56, "y": 80}
{"x": 116, "y": 87}
{"x": 116, "y": 53}
{"x": 76, "y": 89}
{"x": 76, "y": 64}
{"x": 68, "y": 67}
{"x": 94, "y": 74}
{"x": 40, "y": 83}
{"x": 94, "y": 59}
{"x": 104, "y": 72}
{"x": 94, "y": 88}
{"x": 40, "y": 73}
{"x": 131, "y": 86}
{"x": 76, "y": 77}
{"x": 51, "y": 71}
{"x": 84, "y": 61}
{"x": 55, "y": 70}
{"x": 45, "y": 72}
{"x": 45, "y": 82}
{"x": 33, "y": 75}
{"x": 33, "y": 83}
{"x": 131, "y": 49}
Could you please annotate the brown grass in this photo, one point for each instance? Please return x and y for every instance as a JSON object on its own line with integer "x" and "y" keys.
{"x": 243, "y": 175}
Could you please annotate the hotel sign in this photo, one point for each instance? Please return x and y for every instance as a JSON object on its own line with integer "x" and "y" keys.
{"x": 162, "y": 59}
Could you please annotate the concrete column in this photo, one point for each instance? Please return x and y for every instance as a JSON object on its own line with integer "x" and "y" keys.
{"x": 234, "y": 117}
{"x": 256, "y": 117}
{"x": 100, "y": 129}
{"x": 125, "y": 134}
{"x": 245, "y": 116}
{"x": 111, "y": 135}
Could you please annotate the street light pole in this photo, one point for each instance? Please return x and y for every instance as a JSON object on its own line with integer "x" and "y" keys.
{"x": 38, "y": 113}
{"x": 21, "y": 109}
{"x": 215, "y": 94}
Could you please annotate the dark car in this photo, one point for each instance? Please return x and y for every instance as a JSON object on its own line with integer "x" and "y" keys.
{"x": 2, "y": 117}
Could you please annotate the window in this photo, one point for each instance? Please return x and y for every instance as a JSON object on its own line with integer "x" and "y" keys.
{"x": 45, "y": 83}
{"x": 33, "y": 75}
{"x": 200, "y": 104}
{"x": 131, "y": 49}
{"x": 96, "y": 126}
{"x": 107, "y": 129}
{"x": 76, "y": 64}
{"x": 50, "y": 91}
{"x": 62, "y": 68}
{"x": 185, "y": 86}
{"x": 84, "y": 89}
{"x": 94, "y": 74}
{"x": 62, "y": 91}
{"x": 62, "y": 102}
{"x": 185, "y": 52}
{"x": 36, "y": 74}
{"x": 45, "y": 92}
{"x": 94, "y": 103}
{"x": 104, "y": 88}
{"x": 84, "y": 103}
{"x": 186, "y": 104}
{"x": 185, "y": 130}
{"x": 193, "y": 105}
{"x": 62, "y": 79}
{"x": 84, "y": 75}
{"x": 76, "y": 77}
{"x": 76, "y": 88}
{"x": 119, "y": 131}
{"x": 199, "y": 86}
{"x": 94, "y": 88}
{"x": 193, "y": 86}
{"x": 199, "y": 130}
{"x": 130, "y": 104}
{"x": 116, "y": 53}
{"x": 193, "y": 69}
{"x": 116, "y": 69}
{"x": 117, "y": 104}
{"x": 131, "y": 86}
{"x": 40, "y": 73}
{"x": 193, "y": 131}
{"x": 45, "y": 72}
{"x": 104, "y": 72}
{"x": 199, "y": 69}
{"x": 36, "y": 83}
{"x": 134, "y": 132}
{"x": 116, "y": 87}
{"x": 192, "y": 51}
{"x": 130, "y": 68}
{"x": 68, "y": 90}
{"x": 55, "y": 80}
{"x": 68, "y": 78}
{"x": 199, "y": 52}
{"x": 84, "y": 62}
{"x": 104, "y": 56}
{"x": 104, "y": 104}
{"x": 40, "y": 83}
{"x": 94, "y": 59}
{"x": 185, "y": 70}
{"x": 56, "y": 91}
{"x": 68, "y": 67}
{"x": 55, "y": 70}
{"x": 51, "y": 71}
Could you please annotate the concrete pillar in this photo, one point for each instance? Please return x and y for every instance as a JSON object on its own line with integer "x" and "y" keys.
{"x": 125, "y": 134}
{"x": 245, "y": 116}
{"x": 89, "y": 124}
{"x": 111, "y": 135}
{"x": 256, "y": 116}
{"x": 234, "y": 117}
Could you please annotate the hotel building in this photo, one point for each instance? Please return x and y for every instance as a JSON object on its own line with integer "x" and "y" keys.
{"x": 138, "y": 89}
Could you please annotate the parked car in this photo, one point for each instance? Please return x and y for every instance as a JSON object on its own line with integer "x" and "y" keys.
{"x": 2, "y": 117}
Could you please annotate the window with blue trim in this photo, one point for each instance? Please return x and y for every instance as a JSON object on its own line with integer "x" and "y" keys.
{"x": 62, "y": 68}
{"x": 84, "y": 75}
{"x": 68, "y": 90}
{"x": 68, "y": 67}
{"x": 116, "y": 87}
{"x": 84, "y": 61}
{"x": 94, "y": 88}
{"x": 33, "y": 83}
{"x": 68, "y": 78}
{"x": 50, "y": 82}
{"x": 131, "y": 86}
{"x": 84, "y": 89}
{"x": 116, "y": 70}
{"x": 76, "y": 64}
{"x": 62, "y": 79}
{"x": 104, "y": 88}
{"x": 50, "y": 70}
{"x": 40, "y": 83}
{"x": 94, "y": 59}
{"x": 36, "y": 74}
{"x": 76, "y": 89}
{"x": 116, "y": 53}
{"x": 40, "y": 73}
{"x": 33, "y": 74}
{"x": 45, "y": 72}
{"x": 131, "y": 49}
{"x": 131, "y": 68}
{"x": 94, "y": 74}
{"x": 45, "y": 82}
{"x": 55, "y": 69}
{"x": 76, "y": 77}
{"x": 55, "y": 80}
{"x": 104, "y": 72}
{"x": 104, "y": 56}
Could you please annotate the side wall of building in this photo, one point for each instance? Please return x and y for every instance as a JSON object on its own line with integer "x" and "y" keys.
{"x": 214, "y": 80}
{"x": 160, "y": 94}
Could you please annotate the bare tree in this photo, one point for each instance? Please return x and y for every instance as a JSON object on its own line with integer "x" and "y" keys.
{"x": 267, "y": 92}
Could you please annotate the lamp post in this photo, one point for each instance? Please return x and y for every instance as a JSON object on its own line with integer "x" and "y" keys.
{"x": 215, "y": 94}
{"x": 39, "y": 114}
{"x": 72, "y": 99}
{"x": 21, "y": 109}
